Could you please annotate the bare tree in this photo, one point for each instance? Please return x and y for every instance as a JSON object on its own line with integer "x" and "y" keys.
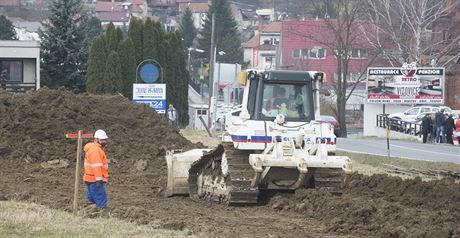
{"x": 404, "y": 30}
{"x": 341, "y": 31}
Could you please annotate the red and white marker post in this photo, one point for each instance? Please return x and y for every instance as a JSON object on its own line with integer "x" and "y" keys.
{"x": 79, "y": 136}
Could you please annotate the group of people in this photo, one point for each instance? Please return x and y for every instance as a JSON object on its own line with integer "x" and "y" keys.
{"x": 441, "y": 128}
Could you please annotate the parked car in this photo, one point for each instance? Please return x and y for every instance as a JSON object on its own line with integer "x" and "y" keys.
{"x": 411, "y": 114}
{"x": 331, "y": 120}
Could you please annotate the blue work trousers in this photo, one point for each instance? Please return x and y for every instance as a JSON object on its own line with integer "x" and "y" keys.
{"x": 97, "y": 194}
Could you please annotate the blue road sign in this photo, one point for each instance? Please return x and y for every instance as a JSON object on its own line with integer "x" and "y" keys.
{"x": 149, "y": 73}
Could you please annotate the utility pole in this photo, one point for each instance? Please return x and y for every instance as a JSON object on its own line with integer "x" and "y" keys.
{"x": 211, "y": 70}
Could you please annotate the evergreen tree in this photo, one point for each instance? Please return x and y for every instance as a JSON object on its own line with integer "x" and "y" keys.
{"x": 128, "y": 66}
{"x": 226, "y": 36}
{"x": 159, "y": 42}
{"x": 63, "y": 45}
{"x": 111, "y": 38}
{"x": 135, "y": 34}
{"x": 96, "y": 66}
{"x": 149, "y": 38}
{"x": 7, "y": 31}
{"x": 182, "y": 78}
{"x": 91, "y": 28}
{"x": 112, "y": 75}
{"x": 188, "y": 29}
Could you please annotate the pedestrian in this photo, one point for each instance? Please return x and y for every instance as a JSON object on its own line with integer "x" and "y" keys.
{"x": 172, "y": 115}
{"x": 96, "y": 170}
{"x": 439, "y": 126}
{"x": 457, "y": 129}
{"x": 426, "y": 126}
{"x": 449, "y": 128}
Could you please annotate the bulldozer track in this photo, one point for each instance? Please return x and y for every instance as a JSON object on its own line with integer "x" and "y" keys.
{"x": 330, "y": 180}
{"x": 223, "y": 175}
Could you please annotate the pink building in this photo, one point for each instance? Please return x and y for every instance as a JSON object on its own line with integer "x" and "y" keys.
{"x": 308, "y": 45}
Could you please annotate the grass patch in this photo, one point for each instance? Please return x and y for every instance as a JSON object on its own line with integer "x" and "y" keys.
{"x": 372, "y": 164}
{"x": 18, "y": 219}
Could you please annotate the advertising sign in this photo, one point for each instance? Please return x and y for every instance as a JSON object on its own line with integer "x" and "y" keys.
{"x": 152, "y": 94}
{"x": 405, "y": 85}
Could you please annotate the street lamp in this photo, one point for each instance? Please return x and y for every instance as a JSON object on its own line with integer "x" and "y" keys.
{"x": 214, "y": 87}
{"x": 190, "y": 49}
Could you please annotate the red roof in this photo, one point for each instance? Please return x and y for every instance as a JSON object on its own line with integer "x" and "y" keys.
{"x": 138, "y": 2}
{"x": 118, "y": 7}
{"x": 9, "y": 3}
{"x": 108, "y": 6}
{"x": 113, "y": 16}
{"x": 253, "y": 42}
{"x": 274, "y": 27}
{"x": 198, "y": 7}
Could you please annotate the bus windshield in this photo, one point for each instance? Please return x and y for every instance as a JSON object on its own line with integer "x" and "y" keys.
{"x": 292, "y": 100}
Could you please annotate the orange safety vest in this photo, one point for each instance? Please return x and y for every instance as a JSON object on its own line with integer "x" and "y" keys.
{"x": 96, "y": 164}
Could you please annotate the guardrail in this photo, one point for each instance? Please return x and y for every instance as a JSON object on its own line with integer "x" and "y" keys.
{"x": 399, "y": 125}
{"x": 17, "y": 86}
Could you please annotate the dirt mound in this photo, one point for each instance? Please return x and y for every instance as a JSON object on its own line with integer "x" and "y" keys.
{"x": 33, "y": 125}
{"x": 382, "y": 206}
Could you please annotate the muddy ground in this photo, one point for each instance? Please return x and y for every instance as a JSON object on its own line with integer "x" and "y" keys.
{"x": 32, "y": 128}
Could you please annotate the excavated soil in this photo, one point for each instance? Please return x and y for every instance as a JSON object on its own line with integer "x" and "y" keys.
{"x": 32, "y": 128}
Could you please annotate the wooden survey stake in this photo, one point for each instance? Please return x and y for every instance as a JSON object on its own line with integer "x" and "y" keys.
{"x": 79, "y": 136}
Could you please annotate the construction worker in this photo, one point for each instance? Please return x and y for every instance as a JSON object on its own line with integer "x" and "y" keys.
{"x": 96, "y": 169}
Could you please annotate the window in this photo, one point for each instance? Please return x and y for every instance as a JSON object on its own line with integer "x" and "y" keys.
{"x": 321, "y": 53}
{"x": 358, "y": 54}
{"x": 413, "y": 111}
{"x": 354, "y": 77}
{"x": 296, "y": 53}
{"x": 11, "y": 70}
{"x": 201, "y": 112}
{"x": 425, "y": 110}
{"x": 290, "y": 100}
{"x": 315, "y": 53}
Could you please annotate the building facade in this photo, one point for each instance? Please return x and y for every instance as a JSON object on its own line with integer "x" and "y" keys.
{"x": 19, "y": 65}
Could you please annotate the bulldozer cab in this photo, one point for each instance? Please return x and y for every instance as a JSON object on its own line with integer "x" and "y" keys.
{"x": 290, "y": 93}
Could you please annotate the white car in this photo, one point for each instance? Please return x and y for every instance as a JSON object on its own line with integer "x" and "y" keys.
{"x": 411, "y": 114}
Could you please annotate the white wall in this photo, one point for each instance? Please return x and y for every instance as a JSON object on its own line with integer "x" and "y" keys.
{"x": 29, "y": 70}
{"x": 370, "y": 117}
{"x": 248, "y": 56}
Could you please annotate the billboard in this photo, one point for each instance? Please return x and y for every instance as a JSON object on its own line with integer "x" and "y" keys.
{"x": 152, "y": 94}
{"x": 405, "y": 85}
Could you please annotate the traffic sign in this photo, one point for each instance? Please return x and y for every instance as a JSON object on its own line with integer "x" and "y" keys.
{"x": 153, "y": 95}
{"x": 149, "y": 73}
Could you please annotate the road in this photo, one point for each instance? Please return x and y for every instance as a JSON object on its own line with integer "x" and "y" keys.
{"x": 402, "y": 149}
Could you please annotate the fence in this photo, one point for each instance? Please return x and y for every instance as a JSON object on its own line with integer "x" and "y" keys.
{"x": 398, "y": 125}
{"x": 16, "y": 86}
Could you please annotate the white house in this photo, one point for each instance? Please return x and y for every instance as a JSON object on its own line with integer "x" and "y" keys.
{"x": 19, "y": 65}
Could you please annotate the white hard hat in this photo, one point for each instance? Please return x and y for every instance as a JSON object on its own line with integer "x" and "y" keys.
{"x": 100, "y": 134}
